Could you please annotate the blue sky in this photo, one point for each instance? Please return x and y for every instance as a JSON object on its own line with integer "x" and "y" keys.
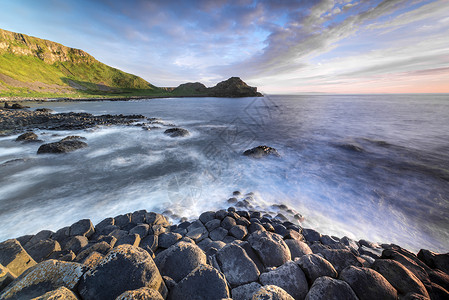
{"x": 280, "y": 46}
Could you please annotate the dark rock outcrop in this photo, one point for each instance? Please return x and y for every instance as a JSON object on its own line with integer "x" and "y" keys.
{"x": 233, "y": 87}
{"x": 314, "y": 266}
{"x": 261, "y": 151}
{"x": 177, "y": 132}
{"x": 61, "y": 147}
{"x": 14, "y": 257}
{"x": 28, "y": 137}
{"x": 330, "y": 289}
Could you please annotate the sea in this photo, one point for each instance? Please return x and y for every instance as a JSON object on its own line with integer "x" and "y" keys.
{"x": 373, "y": 167}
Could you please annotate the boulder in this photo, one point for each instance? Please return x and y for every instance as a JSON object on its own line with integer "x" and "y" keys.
{"x": 179, "y": 260}
{"x": 253, "y": 227}
{"x": 228, "y": 222}
{"x": 207, "y": 216}
{"x": 156, "y": 219}
{"x": 139, "y": 216}
{"x": 177, "y": 132}
{"x": 42, "y": 249}
{"x": 271, "y": 292}
{"x": 167, "y": 239}
{"x": 298, "y": 248}
{"x": 140, "y": 294}
{"x": 330, "y": 289}
{"x": 270, "y": 247}
{"x": 41, "y": 235}
{"x": 100, "y": 247}
{"x": 340, "y": 258}
{"x": 238, "y": 231}
{"x": 150, "y": 241}
{"x": 106, "y": 222}
{"x": 93, "y": 259}
{"x": 130, "y": 239}
{"x": 314, "y": 266}
{"x": 44, "y": 109}
{"x": 14, "y": 257}
{"x": 261, "y": 151}
{"x": 203, "y": 283}
{"x": 141, "y": 230}
{"x": 76, "y": 243}
{"x": 246, "y": 291}
{"x": 238, "y": 268}
{"x": 435, "y": 260}
{"x": 61, "y": 147}
{"x": 368, "y": 284}
{"x": 196, "y": 231}
{"x": 212, "y": 224}
{"x": 124, "y": 268}
{"x": 218, "y": 234}
{"x": 400, "y": 278}
{"x": 58, "y": 294}
{"x": 311, "y": 235}
{"x": 45, "y": 277}
{"x": 6, "y": 277}
{"x": 82, "y": 227}
{"x": 289, "y": 277}
{"x": 27, "y": 137}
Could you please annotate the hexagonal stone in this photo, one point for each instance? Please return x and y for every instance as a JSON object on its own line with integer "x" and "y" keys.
{"x": 314, "y": 266}
{"x": 332, "y": 289}
{"x": 270, "y": 247}
{"x": 14, "y": 257}
{"x": 238, "y": 231}
{"x": 82, "y": 227}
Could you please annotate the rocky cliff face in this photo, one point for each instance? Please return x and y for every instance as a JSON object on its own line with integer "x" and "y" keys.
{"x": 48, "y": 51}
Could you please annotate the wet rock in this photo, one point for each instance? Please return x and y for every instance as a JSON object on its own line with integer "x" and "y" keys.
{"x": 44, "y": 109}
{"x": 238, "y": 231}
{"x": 41, "y": 235}
{"x": 330, "y": 289}
{"x": 118, "y": 234}
{"x": 150, "y": 241}
{"x": 124, "y": 221}
{"x": 141, "y": 230}
{"x": 196, "y": 231}
{"x": 212, "y": 224}
{"x": 243, "y": 221}
{"x": 340, "y": 258}
{"x": 167, "y": 239}
{"x": 156, "y": 219}
{"x": 372, "y": 252}
{"x": 44, "y": 277}
{"x": 435, "y": 260}
{"x": 179, "y": 260}
{"x": 400, "y": 278}
{"x": 221, "y": 214}
{"x": 270, "y": 247}
{"x": 82, "y": 227}
{"x": 261, "y": 151}
{"x": 368, "y": 284}
{"x": 130, "y": 239}
{"x": 228, "y": 222}
{"x": 328, "y": 240}
{"x": 43, "y": 249}
{"x": 6, "y": 277}
{"x": 253, "y": 227}
{"x": 289, "y": 277}
{"x": 73, "y": 138}
{"x": 207, "y": 216}
{"x": 271, "y": 292}
{"x": 28, "y": 137}
{"x": 124, "y": 268}
{"x": 76, "y": 243}
{"x": 177, "y": 132}
{"x": 59, "y": 293}
{"x": 237, "y": 266}
{"x": 218, "y": 234}
{"x": 298, "y": 248}
{"x": 14, "y": 257}
{"x": 311, "y": 235}
{"x": 203, "y": 283}
{"x": 157, "y": 229}
{"x": 140, "y": 294}
{"x": 314, "y": 266}
{"x": 101, "y": 247}
{"x": 139, "y": 217}
{"x": 61, "y": 147}
{"x": 245, "y": 292}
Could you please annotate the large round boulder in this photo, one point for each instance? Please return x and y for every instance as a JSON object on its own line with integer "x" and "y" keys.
{"x": 314, "y": 266}
{"x": 340, "y": 258}
{"x": 203, "y": 283}
{"x": 124, "y": 268}
{"x": 61, "y": 147}
{"x": 271, "y": 292}
{"x": 330, "y": 289}
{"x": 177, "y": 132}
{"x": 261, "y": 151}
{"x": 298, "y": 248}
{"x": 179, "y": 260}
{"x": 270, "y": 247}
{"x": 368, "y": 284}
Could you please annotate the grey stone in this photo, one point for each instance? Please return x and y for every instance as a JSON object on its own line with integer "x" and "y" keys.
{"x": 245, "y": 292}
{"x": 104, "y": 223}
{"x": 330, "y": 289}
{"x": 151, "y": 241}
{"x": 123, "y": 221}
{"x": 167, "y": 239}
{"x": 124, "y": 268}
{"x": 271, "y": 292}
{"x": 143, "y": 293}
{"x": 82, "y": 227}
{"x": 24, "y": 239}
{"x": 203, "y": 283}
{"x": 368, "y": 284}
{"x": 229, "y": 239}
{"x": 228, "y": 222}
{"x": 435, "y": 260}
{"x": 179, "y": 260}
{"x": 400, "y": 278}
{"x": 177, "y": 132}
{"x": 311, "y": 235}
{"x": 6, "y": 277}
{"x": 341, "y": 258}
{"x": 315, "y": 266}
{"x": 252, "y": 254}
{"x": 196, "y": 231}
{"x": 221, "y": 214}
{"x": 327, "y": 240}
{"x": 243, "y": 221}
{"x": 41, "y": 250}
{"x": 141, "y": 230}
{"x": 158, "y": 229}
{"x": 41, "y": 235}
{"x": 106, "y": 230}
{"x": 59, "y": 293}
{"x": 207, "y": 216}
{"x": 131, "y": 239}
{"x": 298, "y": 248}
{"x": 156, "y": 219}
{"x": 61, "y": 147}
{"x": 100, "y": 247}
{"x": 270, "y": 247}
{"x": 238, "y": 231}
{"x": 212, "y": 224}
{"x": 253, "y": 227}
{"x": 139, "y": 217}
{"x": 44, "y": 277}
{"x": 237, "y": 266}
{"x": 218, "y": 234}
{"x": 76, "y": 243}
{"x": 289, "y": 277}
{"x": 118, "y": 233}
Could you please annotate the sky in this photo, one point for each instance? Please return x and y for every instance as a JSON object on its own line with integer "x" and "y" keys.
{"x": 322, "y": 46}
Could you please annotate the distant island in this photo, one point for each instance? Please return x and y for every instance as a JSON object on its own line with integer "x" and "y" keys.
{"x": 34, "y": 68}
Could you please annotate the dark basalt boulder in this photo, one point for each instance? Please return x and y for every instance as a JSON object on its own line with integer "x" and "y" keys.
{"x": 124, "y": 268}
{"x": 246, "y": 291}
{"x": 41, "y": 250}
{"x": 270, "y": 247}
{"x": 14, "y": 257}
{"x": 15, "y": 106}
{"x": 61, "y": 147}
{"x": 271, "y": 292}
{"x": 234, "y": 87}
{"x": 82, "y": 227}
{"x": 368, "y": 284}
{"x": 203, "y": 283}
{"x": 261, "y": 151}
{"x": 314, "y": 266}
{"x": 435, "y": 260}
{"x": 140, "y": 294}
{"x": 330, "y": 289}
{"x": 28, "y": 137}
{"x": 177, "y": 132}
{"x": 298, "y": 248}
{"x": 340, "y": 258}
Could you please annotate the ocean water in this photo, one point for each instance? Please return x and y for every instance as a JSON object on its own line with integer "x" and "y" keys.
{"x": 366, "y": 166}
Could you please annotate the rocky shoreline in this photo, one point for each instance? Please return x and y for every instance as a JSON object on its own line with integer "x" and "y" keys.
{"x": 233, "y": 253}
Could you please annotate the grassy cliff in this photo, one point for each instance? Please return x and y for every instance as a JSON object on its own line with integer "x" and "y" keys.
{"x": 33, "y": 67}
